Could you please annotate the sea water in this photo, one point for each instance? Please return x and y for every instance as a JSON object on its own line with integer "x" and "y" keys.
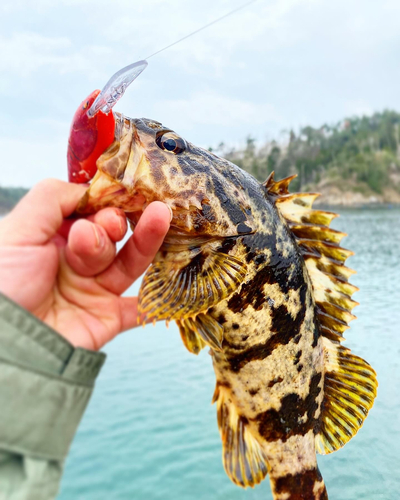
{"x": 150, "y": 432}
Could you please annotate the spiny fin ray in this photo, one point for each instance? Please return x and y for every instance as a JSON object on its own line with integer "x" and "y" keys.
{"x": 279, "y": 187}
{"x": 190, "y": 338}
{"x": 323, "y": 256}
{"x": 350, "y": 383}
{"x": 199, "y": 331}
{"x": 179, "y": 289}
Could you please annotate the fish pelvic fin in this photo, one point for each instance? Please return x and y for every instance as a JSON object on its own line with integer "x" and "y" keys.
{"x": 199, "y": 331}
{"x": 242, "y": 454}
{"x": 304, "y": 485}
{"x": 193, "y": 342}
{"x": 350, "y": 389}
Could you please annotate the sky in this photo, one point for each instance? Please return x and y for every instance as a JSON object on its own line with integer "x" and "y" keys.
{"x": 271, "y": 67}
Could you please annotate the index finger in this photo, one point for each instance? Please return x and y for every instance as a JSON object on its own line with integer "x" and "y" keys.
{"x": 38, "y": 216}
{"x": 139, "y": 251}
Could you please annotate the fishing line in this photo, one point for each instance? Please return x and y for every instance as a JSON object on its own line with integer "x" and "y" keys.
{"x": 202, "y": 28}
{"x": 119, "y": 82}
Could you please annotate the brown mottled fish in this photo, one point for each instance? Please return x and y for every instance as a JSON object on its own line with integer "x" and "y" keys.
{"x": 256, "y": 274}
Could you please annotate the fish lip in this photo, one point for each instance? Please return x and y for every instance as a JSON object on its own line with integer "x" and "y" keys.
{"x": 105, "y": 192}
{"x": 116, "y": 184}
{"x": 119, "y": 125}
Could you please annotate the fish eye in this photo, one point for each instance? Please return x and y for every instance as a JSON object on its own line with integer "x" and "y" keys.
{"x": 168, "y": 141}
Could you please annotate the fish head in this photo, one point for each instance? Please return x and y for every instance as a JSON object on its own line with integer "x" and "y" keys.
{"x": 149, "y": 162}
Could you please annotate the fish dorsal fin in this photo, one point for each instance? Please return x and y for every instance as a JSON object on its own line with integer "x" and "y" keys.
{"x": 199, "y": 331}
{"x": 350, "y": 382}
{"x": 350, "y": 389}
{"x": 242, "y": 454}
{"x": 279, "y": 187}
{"x": 323, "y": 256}
{"x": 182, "y": 284}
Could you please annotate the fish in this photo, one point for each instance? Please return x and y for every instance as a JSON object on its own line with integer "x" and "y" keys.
{"x": 255, "y": 274}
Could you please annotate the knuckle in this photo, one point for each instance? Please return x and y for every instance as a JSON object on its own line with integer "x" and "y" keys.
{"x": 47, "y": 186}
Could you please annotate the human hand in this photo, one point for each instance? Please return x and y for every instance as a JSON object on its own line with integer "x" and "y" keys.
{"x": 67, "y": 273}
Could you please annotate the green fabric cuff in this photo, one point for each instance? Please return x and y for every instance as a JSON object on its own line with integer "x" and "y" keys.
{"x": 25, "y": 340}
{"x": 45, "y": 385}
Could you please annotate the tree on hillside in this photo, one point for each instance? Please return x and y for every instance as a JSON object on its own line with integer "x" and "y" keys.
{"x": 362, "y": 150}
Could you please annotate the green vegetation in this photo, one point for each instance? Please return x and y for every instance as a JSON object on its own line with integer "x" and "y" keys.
{"x": 9, "y": 197}
{"x": 358, "y": 154}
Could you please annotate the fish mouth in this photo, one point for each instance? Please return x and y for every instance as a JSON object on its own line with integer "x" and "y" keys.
{"x": 105, "y": 192}
{"x": 115, "y": 182}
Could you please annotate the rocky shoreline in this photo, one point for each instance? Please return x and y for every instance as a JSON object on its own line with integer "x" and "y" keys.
{"x": 355, "y": 200}
{"x": 354, "y": 196}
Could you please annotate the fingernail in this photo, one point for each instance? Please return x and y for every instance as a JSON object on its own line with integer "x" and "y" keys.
{"x": 170, "y": 211}
{"x": 121, "y": 221}
{"x": 99, "y": 237}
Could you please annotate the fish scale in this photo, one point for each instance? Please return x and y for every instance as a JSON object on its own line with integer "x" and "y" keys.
{"x": 254, "y": 273}
{"x": 273, "y": 343}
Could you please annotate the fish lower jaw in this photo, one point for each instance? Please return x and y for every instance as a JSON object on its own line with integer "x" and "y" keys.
{"x": 105, "y": 192}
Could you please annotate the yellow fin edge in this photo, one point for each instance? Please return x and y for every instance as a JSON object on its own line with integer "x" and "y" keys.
{"x": 350, "y": 389}
{"x": 242, "y": 454}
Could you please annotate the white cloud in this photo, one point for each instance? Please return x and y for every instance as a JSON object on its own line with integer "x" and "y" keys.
{"x": 102, "y": 5}
{"x": 28, "y": 52}
{"x": 210, "y": 108}
{"x": 25, "y": 162}
{"x": 23, "y": 53}
{"x": 274, "y": 65}
{"x": 262, "y": 26}
{"x": 358, "y": 107}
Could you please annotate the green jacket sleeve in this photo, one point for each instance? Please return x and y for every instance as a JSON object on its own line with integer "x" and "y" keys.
{"x": 45, "y": 385}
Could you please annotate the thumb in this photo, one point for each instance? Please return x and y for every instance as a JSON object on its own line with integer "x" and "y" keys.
{"x": 39, "y": 215}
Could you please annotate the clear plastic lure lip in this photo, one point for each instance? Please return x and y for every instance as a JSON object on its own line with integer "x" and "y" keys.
{"x": 115, "y": 88}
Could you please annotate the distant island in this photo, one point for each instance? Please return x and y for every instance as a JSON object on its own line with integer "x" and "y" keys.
{"x": 355, "y": 162}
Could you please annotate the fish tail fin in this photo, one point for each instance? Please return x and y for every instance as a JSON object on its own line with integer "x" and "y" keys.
{"x": 305, "y": 485}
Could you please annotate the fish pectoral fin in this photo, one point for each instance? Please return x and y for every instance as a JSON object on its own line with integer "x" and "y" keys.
{"x": 350, "y": 390}
{"x": 242, "y": 454}
{"x": 199, "y": 331}
{"x": 180, "y": 289}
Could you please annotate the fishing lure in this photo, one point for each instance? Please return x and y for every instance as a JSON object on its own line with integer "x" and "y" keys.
{"x": 93, "y": 125}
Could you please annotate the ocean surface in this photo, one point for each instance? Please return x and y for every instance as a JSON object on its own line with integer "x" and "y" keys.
{"x": 150, "y": 430}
